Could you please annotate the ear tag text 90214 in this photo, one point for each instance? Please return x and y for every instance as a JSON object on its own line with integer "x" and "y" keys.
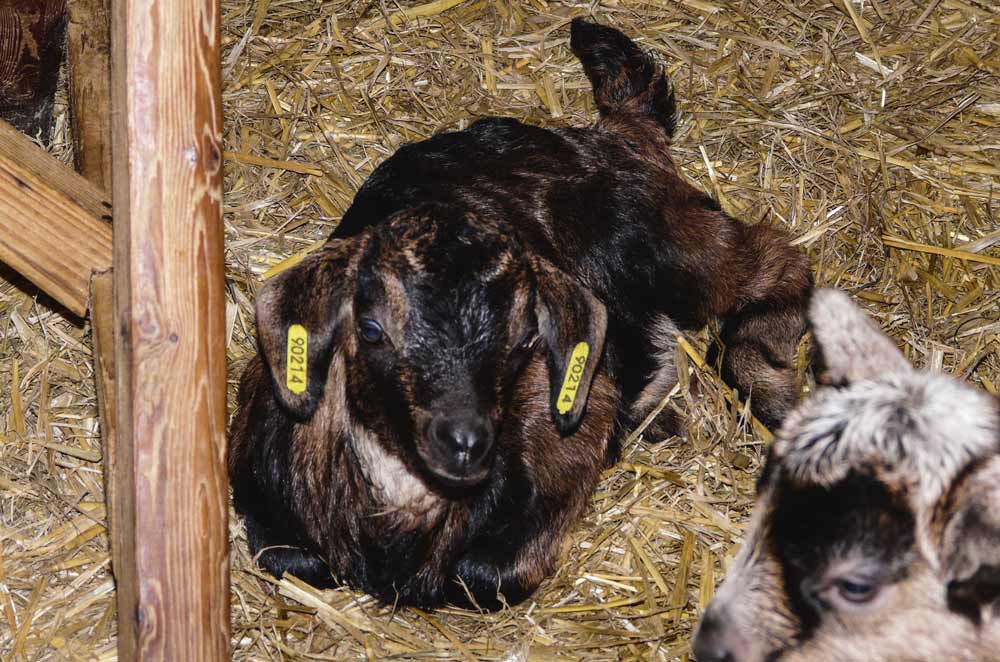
{"x": 574, "y": 374}
{"x": 297, "y": 365}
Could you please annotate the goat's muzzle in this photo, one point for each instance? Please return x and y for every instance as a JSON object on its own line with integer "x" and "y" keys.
{"x": 718, "y": 640}
{"x": 459, "y": 448}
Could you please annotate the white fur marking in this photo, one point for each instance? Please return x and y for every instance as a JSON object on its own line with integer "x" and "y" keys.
{"x": 392, "y": 483}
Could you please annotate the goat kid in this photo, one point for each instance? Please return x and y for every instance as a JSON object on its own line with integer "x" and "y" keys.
{"x": 440, "y": 386}
{"x": 876, "y": 533}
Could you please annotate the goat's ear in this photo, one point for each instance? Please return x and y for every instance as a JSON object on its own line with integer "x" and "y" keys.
{"x": 299, "y": 312}
{"x": 572, "y": 322}
{"x": 851, "y": 345}
{"x": 624, "y": 77}
{"x": 970, "y": 539}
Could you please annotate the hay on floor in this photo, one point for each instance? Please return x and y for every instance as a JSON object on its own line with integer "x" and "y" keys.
{"x": 868, "y": 130}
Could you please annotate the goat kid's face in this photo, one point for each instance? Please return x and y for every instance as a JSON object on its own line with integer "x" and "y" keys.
{"x": 876, "y": 534}
{"x": 434, "y": 315}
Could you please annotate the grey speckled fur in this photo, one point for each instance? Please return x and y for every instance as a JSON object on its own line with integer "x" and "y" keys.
{"x": 933, "y": 443}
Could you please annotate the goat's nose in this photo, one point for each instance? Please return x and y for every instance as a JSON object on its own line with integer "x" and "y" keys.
{"x": 712, "y": 643}
{"x": 467, "y": 436}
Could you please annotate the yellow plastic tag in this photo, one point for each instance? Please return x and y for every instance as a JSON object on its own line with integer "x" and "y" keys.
{"x": 297, "y": 365}
{"x": 574, "y": 374}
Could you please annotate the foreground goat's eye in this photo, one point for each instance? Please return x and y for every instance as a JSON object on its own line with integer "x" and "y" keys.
{"x": 370, "y": 331}
{"x": 857, "y": 592}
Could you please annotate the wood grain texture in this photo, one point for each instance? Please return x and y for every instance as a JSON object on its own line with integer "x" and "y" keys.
{"x": 102, "y": 325}
{"x": 51, "y": 227}
{"x": 171, "y": 485}
{"x": 31, "y": 49}
{"x": 89, "y": 58}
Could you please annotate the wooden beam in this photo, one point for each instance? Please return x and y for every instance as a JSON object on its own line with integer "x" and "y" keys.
{"x": 102, "y": 326}
{"x": 31, "y": 49}
{"x": 89, "y": 57}
{"x": 170, "y": 362}
{"x": 51, "y": 227}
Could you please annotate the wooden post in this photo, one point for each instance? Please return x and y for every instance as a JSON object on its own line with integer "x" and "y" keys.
{"x": 103, "y": 344}
{"x": 171, "y": 497}
{"x": 31, "y": 48}
{"x": 89, "y": 57}
{"x": 89, "y": 60}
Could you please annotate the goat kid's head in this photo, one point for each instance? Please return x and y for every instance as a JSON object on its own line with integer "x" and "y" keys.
{"x": 876, "y": 533}
{"x": 434, "y": 313}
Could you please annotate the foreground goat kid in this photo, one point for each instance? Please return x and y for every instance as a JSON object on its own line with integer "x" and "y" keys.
{"x": 876, "y": 534}
{"x": 415, "y": 423}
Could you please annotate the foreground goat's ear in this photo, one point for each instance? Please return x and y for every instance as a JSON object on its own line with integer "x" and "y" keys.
{"x": 852, "y": 346}
{"x": 970, "y": 540}
{"x": 298, "y": 314}
{"x": 572, "y": 322}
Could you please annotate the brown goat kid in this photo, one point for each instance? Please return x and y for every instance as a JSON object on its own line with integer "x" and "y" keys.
{"x": 440, "y": 386}
{"x": 876, "y": 534}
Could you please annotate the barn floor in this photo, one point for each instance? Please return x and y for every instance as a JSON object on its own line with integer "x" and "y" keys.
{"x": 869, "y": 130}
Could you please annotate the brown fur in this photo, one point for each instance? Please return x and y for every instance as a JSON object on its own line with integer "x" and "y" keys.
{"x": 433, "y": 439}
{"x": 338, "y": 497}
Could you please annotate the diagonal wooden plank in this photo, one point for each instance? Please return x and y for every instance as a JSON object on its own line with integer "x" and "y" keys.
{"x": 53, "y": 222}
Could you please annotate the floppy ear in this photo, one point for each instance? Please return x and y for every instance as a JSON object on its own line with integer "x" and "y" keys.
{"x": 298, "y": 314}
{"x": 852, "y": 346}
{"x": 970, "y": 540}
{"x": 573, "y": 323}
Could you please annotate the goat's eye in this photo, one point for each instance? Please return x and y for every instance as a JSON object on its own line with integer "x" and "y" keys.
{"x": 370, "y": 331}
{"x": 854, "y": 591}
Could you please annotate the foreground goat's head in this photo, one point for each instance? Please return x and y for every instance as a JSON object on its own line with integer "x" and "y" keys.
{"x": 434, "y": 314}
{"x": 876, "y": 533}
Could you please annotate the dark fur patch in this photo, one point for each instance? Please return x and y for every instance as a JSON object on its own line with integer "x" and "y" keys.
{"x": 814, "y": 526}
{"x": 641, "y": 239}
{"x": 967, "y": 596}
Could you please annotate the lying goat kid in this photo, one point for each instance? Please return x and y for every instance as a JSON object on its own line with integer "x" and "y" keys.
{"x": 876, "y": 534}
{"x": 440, "y": 385}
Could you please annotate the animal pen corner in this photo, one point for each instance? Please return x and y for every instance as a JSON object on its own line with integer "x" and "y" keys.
{"x": 144, "y": 81}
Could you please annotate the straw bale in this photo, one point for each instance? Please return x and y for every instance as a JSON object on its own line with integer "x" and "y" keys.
{"x": 870, "y": 130}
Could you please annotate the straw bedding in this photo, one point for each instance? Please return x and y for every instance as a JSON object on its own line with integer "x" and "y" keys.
{"x": 869, "y": 130}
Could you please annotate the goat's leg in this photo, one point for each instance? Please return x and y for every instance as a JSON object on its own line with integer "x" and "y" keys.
{"x": 278, "y": 556}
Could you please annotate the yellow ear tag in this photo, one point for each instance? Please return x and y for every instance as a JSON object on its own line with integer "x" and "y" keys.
{"x": 296, "y": 367}
{"x": 574, "y": 374}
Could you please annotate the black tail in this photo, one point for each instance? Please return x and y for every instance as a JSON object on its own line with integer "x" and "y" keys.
{"x": 625, "y": 78}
